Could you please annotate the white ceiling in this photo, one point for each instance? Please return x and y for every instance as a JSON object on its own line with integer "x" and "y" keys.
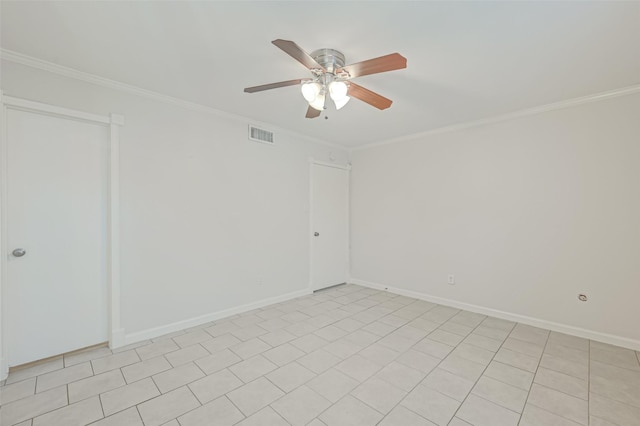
{"x": 466, "y": 60}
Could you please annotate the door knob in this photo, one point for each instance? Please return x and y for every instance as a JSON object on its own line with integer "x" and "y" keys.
{"x": 19, "y": 252}
{"x": 315, "y": 234}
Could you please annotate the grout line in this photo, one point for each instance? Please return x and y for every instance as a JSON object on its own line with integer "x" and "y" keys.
{"x": 534, "y": 378}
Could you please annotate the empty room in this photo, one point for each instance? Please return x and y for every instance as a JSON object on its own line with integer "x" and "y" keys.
{"x": 322, "y": 213}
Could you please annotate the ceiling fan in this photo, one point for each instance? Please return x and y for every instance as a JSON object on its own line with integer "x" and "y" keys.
{"x": 331, "y": 77}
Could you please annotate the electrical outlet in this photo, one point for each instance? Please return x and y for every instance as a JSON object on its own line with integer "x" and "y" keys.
{"x": 451, "y": 279}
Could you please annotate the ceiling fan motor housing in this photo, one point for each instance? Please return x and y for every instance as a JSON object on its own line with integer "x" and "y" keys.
{"x": 330, "y": 59}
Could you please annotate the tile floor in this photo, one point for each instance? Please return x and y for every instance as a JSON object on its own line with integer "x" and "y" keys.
{"x": 345, "y": 356}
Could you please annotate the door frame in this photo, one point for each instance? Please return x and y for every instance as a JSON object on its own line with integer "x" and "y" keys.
{"x": 347, "y": 167}
{"x": 113, "y": 122}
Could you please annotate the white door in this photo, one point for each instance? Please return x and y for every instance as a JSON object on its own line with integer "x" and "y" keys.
{"x": 56, "y": 295}
{"x": 330, "y": 226}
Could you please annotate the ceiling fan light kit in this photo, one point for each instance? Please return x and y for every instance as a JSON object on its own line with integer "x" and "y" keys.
{"x": 331, "y": 77}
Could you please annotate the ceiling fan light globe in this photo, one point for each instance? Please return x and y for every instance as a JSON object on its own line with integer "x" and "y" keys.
{"x": 338, "y": 90}
{"x": 310, "y": 91}
{"x": 318, "y": 102}
{"x": 341, "y": 102}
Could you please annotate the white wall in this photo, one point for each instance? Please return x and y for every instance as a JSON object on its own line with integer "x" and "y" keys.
{"x": 209, "y": 220}
{"x": 527, "y": 213}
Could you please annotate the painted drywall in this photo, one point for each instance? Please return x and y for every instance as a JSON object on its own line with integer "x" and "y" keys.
{"x": 526, "y": 213}
{"x": 210, "y": 221}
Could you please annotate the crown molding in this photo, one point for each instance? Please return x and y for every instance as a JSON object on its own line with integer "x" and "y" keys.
{"x": 629, "y": 90}
{"x": 30, "y": 61}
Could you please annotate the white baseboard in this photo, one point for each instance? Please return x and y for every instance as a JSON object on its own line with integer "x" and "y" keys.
{"x": 4, "y": 368}
{"x": 151, "y": 333}
{"x": 117, "y": 338}
{"x": 536, "y": 322}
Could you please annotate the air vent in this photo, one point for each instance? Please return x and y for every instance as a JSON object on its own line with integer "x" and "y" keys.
{"x": 260, "y": 135}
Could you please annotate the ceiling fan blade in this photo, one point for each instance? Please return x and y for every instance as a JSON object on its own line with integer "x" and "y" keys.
{"x": 297, "y": 53}
{"x": 366, "y": 95}
{"x": 272, "y": 86}
{"x": 394, "y": 61}
{"x": 312, "y": 112}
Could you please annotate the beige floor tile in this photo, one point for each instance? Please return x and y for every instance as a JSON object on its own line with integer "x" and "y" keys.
{"x": 186, "y": 355}
{"x": 177, "y": 377}
{"x": 483, "y": 342}
{"x": 567, "y": 353}
{"x": 221, "y": 411}
{"x": 33, "y": 406}
{"x": 491, "y": 332}
{"x": 254, "y": 396}
{"x": 579, "y": 370}
{"x": 432, "y": 405}
{"x": 283, "y": 354}
{"x": 379, "y": 394}
{"x": 379, "y": 354}
{"x": 563, "y": 382}
{"x": 36, "y": 370}
{"x": 214, "y": 386}
{"x": 358, "y": 368}
{"x": 401, "y": 416}
{"x": 221, "y": 328}
{"x": 517, "y": 359}
{"x": 194, "y": 337}
{"x": 458, "y": 422}
{"x": 448, "y": 384}
{"x": 534, "y": 416}
{"x": 19, "y": 390}
{"x": 62, "y": 377}
{"x": 277, "y": 337}
{"x": 168, "y": 406}
{"x": 350, "y": 411}
{"x": 531, "y": 334}
{"x": 473, "y": 353}
{"x": 220, "y": 343}
{"x": 250, "y": 348}
{"x": 319, "y": 361}
{"x": 157, "y": 348}
{"x": 456, "y": 328}
{"x": 141, "y": 370}
{"x": 129, "y": 417}
{"x": 613, "y": 411}
{"x": 330, "y": 333}
{"x": 249, "y": 332}
{"x": 569, "y": 341}
{"x": 462, "y": 367}
{"x": 86, "y": 355}
{"x": 253, "y": 368}
{"x": 95, "y": 385}
{"x": 379, "y": 328}
{"x": 417, "y": 360}
{"x": 500, "y": 393}
{"x": 300, "y": 406}
{"x": 361, "y": 338}
{"x": 559, "y": 403}
{"x": 218, "y": 361}
{"x": 470, "y": 319}
{"x": 265, "y": 417}
{"x": 624, "y": 358}
{"x": 398, "y": 341}
{"x": 401, "y": 376}
{"x": 524, "y": 347}
{"x": 595, "y": 421}
{"x": 332, "y": 384}
{"x": 79, "y": 414}
{"x": 342, "y": 348}
{"x": 511, "y": 375}
{"x": 114, "y": 361}
{"x": 433, "y": 348}
{"x": 290, "y": 376}
{"x": 128, "y": 396}
{"x": 480, "y": 412}
{"x": 625, "y": 390}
